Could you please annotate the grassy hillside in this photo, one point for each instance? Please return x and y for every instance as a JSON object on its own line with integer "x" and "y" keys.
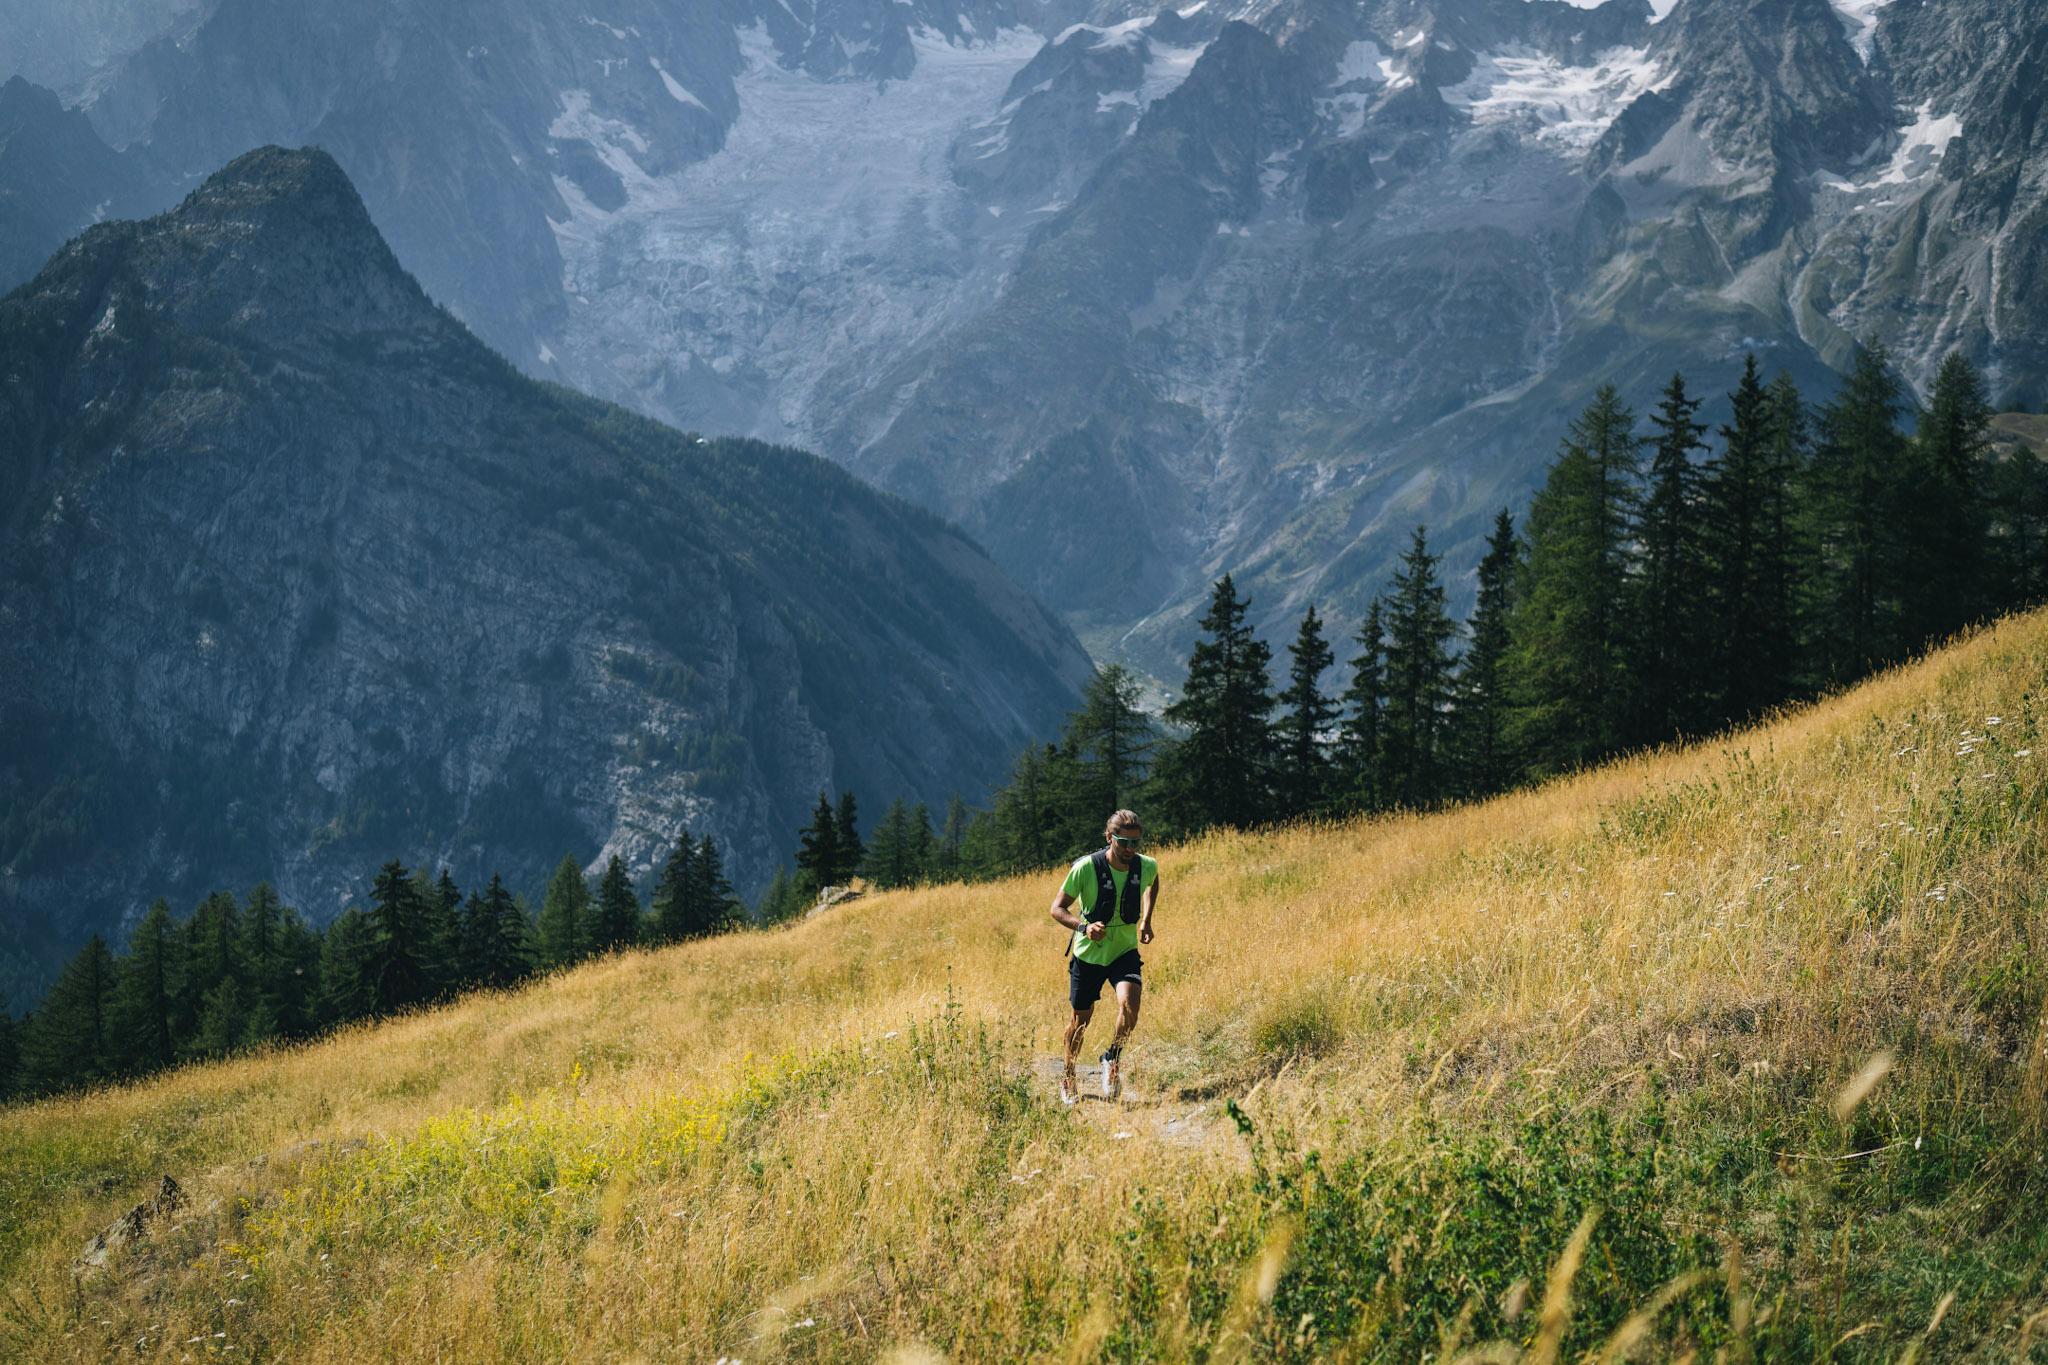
{"x": 1737, "y": 1049}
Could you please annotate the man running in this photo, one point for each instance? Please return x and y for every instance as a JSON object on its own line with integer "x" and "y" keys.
{"x": 1107, "y": 933}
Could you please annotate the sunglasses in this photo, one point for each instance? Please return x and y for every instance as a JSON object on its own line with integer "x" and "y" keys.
{"x": 1127, "y": 840}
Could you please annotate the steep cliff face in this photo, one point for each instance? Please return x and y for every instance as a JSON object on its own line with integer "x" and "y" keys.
{"x": 295, "y": 575}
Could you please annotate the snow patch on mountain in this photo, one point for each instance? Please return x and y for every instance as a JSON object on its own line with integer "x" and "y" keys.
{"x": 718, "y": 296}
{"x": 1360, "y": 76}
{"x": 1921, "y": 145}
{"x": 674, "y": 87}
{"x": 1566, "y": 107}
{"x": 1859, "y": 21}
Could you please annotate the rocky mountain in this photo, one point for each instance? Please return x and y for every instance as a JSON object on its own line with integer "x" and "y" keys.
{"x": 1286, "y": 275}
{"x": 296, "y": 575}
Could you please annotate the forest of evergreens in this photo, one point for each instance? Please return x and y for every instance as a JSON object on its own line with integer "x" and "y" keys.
{"x": 1666, "y": 582}
{"x": 237, "y": 974}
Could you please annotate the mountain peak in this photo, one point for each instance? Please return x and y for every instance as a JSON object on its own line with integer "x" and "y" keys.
{"x": 277, "y": 243}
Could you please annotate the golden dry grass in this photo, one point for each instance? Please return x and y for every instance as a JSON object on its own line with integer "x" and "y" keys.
{"x": 838, "y": 1140}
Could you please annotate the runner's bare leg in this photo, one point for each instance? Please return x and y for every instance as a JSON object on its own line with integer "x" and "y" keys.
{"x": 1129, "y": 994}
{"x": 1076, "y": 1026}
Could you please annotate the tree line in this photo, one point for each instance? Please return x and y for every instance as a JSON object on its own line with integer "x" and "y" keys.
{"x": 236, "y": 974}
{"x": 1665, "y": 583}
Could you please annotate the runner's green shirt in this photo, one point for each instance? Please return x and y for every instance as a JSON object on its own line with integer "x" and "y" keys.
{"x": 1119, "y": 938}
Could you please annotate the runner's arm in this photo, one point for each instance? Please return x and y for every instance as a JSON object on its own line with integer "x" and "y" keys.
{"x": 1066, "y": 918}
{"x": 1151, "y": 902}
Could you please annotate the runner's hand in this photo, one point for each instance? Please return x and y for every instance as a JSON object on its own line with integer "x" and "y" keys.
{"x": 1145, "y": 932}
{"x": 1095, "y": 932}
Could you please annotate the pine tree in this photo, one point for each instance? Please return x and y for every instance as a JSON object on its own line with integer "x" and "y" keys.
{"x": 921, "y": 844}
{"x": 1304, "y": 774}
{"x": 223, "y": 1018}
{"x": 293, "y": 994}
{"x": 1945, "y": 520}
{"x": 718, "y": 908}
{"x": 1673, "y": 647}
{"x": 1221, "y": 773}
{"x": 617, "y": 924}
{"x": 494, "y": 938}
{"x": 1483, "y": 758}
{"x": 2019, "y": 500}
{"x": 1112, "y": 741}
{"x": 1858, "y": 464}
{"x": 949, "y": 853}
{"x": 564, "y": 929}
{"x": 68, "y": 1041}
{"x": 1774, "y": 671}
{"x": 262, "y": 943}
{"x": 1358, "y": 744}
{"x": 781, "y": 901}
{"x": 1418, "y": 679}
{"x": 887, "y": 849}
{"x": 145, "y": 995}
{"x": 440, "y": 903}
{"x": 1569, "y": 643}
{"x": 212, "y": 952}
{"x": 818, "y": 855}
{"x": 398, "y": 972}
{"x": 348, "y": 958}
{"x": 1029, "y": 818}
{"x": 846, "y": 831}
{"x": 673, "y": 912}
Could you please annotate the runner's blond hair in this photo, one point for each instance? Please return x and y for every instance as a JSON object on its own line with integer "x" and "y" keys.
{"x": 1122, "y": 817}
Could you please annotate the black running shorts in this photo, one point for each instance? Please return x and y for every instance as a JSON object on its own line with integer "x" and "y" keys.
{"x": 1085, "y": 979}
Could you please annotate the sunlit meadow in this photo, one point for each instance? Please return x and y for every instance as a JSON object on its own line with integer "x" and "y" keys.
{"x": 1735, "y": 1051}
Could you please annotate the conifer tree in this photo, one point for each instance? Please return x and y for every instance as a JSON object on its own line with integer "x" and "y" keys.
{"x": 68, "y": 1041}
{"x": 1358, "y": 744}
{"x": 212, "y": 952}
{"x": 1028, "y": 814}
{"x": 781, "y": 901}
{"x": 922, "y": 844}
{"x": 294, "y": 991}
{"x": 1222, "y": 769}
{"x": 885, "y": 866}
{"x": 262, "y": 950}
{"x": 1945, "y": 520}
{"x": 440, "y": 905}
{"x": 718, "y": 908}
{"x": 1418, "y": 679}
{"x": 672, "y": 908}
{"x": 1112, "y": 742}
{"x": 617, "y": 922}
{"x": 1569, "y": 649}
{"x": 818, "y": 855}
{"x": 348, "y": 959}
{"x": 1774, "y": 669}
{"x": 494, "y": 938}
{"x": 399, "y": 973}
{"x": 145, "y": 995}
{"x": 2019, "y": 501}
{"x": 846, "y": 830}
{"x": 1858, "y": 464}
{"x": 223, "y": 1019}
{"x": 1304, "y": 774}
{"x": 1673, "y": 648}
{"x": 949, "y": 851}
{"x": 1482, "y": 756}
{"x": 564, "y": 928}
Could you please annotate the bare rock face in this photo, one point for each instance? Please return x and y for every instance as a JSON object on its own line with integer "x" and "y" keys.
{"x": 132, "y": 1226}
{"x": 297, "y": 576}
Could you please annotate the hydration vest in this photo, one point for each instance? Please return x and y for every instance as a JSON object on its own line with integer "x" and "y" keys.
{"x": 1105, "y": 894}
